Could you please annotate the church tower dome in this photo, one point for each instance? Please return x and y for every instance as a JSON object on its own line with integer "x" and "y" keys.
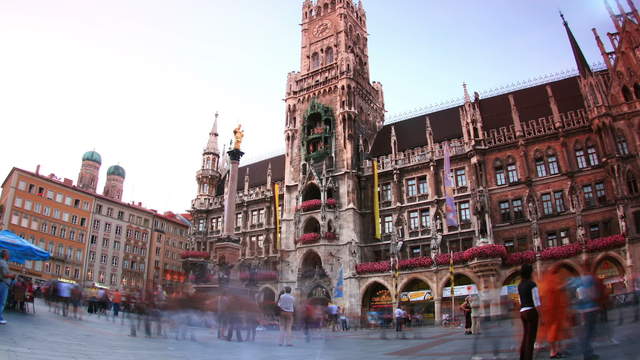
{"x": 89, "y": 170}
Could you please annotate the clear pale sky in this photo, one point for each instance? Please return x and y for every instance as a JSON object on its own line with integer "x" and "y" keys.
{"x": 139, "y": 81}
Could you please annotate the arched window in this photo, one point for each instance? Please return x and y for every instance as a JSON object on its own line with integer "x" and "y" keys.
{"x": 581, "y": 159}
{"x": 512, "y": 170}
{"x": 499, "y": 169}
{"x": 541, "y": 167}
{"x": 326, "y": 8}
{"x": 621, "y": 144}
{"x": 636, "y": 90}
{"x": 592, "y": 154}
{"x": 315, "y": 61}
{"x": 328, "y": 54}
{"x": 626, "y": 93}
{"x": 632, "y": 183}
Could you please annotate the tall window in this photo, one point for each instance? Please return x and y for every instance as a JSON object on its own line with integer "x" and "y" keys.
{"x": 581, "y": 159}
{"x": 541, "y": 168}
{"x": 411, "y": 188}
{"x": 315, "y": 61}
{"x": 592, "y": 155}
{"x": 328, "y": 53}
{"x": 239, "y": 219}
{"x": 500, "y": 175}
{"x": 589, "y": 199}
{"x": 512, "y": 173}
{"x": 425, "y": 219}
{"x": 414, "y": 221}
{"x": 461, "y": 178}
{"x": 632, "y": 183}
{"x": 547, "y": 205}
{"x": 518, "y": 212}
{"x": 387, "y": 224}
{"x": 385, "y": 193}
{"x": 552, "y": 161}
{"x": 464, "y": 212}
{"x": 422, "y": 185}
{"x": 601, "y": 195}
{"x": 564, "y": 236}
{"x": 505, "y": 211}
{"x": 558, "y": 198}
{"x": 552, "y": 239}
{"x": 621, "y": 144}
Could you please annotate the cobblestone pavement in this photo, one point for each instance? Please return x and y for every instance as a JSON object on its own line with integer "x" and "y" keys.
{"x": 46, "y": 335}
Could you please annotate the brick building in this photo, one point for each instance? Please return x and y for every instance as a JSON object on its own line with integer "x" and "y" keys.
{"x": 169, "y": 240}
{"x": 546, "y": 173}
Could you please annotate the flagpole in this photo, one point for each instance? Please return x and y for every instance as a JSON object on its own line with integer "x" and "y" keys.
{"x": 453, "y": 306}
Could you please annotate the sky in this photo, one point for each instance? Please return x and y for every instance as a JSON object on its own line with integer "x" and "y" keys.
{"x": 139, "y": 80}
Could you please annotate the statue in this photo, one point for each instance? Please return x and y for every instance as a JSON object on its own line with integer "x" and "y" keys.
{"x": 581, "y": 234}
{"x": 438, "y": 224}
{"x": 621, "y": 219}
{"x": 238, "y": 134}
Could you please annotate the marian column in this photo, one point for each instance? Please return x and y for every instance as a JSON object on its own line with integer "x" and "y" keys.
{"x": 229, "y": 245}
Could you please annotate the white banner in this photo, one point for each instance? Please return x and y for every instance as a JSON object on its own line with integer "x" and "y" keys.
{"x": 460, "y": 290}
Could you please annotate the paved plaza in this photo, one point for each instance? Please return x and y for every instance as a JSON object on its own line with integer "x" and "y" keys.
{"x": 46, "y": 335}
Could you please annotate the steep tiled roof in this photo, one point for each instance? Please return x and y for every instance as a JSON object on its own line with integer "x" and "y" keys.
{"x": 532, "y": 103}
{"x": 257, "y": 173}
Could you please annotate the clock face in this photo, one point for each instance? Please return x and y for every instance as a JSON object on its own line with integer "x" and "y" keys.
{"x": 322, "y": 29}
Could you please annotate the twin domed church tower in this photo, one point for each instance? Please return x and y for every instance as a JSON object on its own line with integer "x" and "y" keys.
{"x": 88, "y": 176}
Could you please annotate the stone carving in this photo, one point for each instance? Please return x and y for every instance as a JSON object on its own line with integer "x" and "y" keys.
{"x": 580, "y": 233}
{"x": 621, "y": 218}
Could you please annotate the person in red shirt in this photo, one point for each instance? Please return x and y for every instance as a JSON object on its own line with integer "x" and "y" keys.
{"x": 116, "y": 301}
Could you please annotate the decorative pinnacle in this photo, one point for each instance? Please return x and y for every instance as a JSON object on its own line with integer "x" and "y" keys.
{"x": 466, "y": 93}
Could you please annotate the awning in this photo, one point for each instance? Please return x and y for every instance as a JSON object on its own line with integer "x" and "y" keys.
{"x": 20, "y": 249}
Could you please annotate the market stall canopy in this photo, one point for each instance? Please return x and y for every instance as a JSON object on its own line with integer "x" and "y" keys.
{"x": 20, "y": 249}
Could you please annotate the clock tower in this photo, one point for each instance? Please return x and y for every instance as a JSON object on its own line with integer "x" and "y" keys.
{"x": 333, "y": 112}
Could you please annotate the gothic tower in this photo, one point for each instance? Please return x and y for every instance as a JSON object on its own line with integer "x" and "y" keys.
{"x": 89, "y": 170}
{"x": 209, "y": 175}
{"x": 115, "y": 182}
{"x": 333, "y": 111}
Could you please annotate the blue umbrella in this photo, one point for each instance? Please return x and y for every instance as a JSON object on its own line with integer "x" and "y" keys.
{"x": 20, "y": 249}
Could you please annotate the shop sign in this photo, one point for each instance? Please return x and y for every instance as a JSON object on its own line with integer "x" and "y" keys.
{"x": 460, "y": 290}
{"x": 421, "y": 295}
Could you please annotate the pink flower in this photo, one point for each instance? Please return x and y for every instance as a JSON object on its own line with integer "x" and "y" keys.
{"x": 561, "y": 252}
{"x": 329, "y": 235}
{"x": 605, "y": 243}
{"x": 309, "y": 205}
{"x": 414, "y": 263}
{"x": 522, "y": 257}
{"x": 443, "y": 259}
{"x": 331, "y": 202}
{"x": 485, "y": 252}
{"x": 308, "y": 238}
{"x": 373, "y": 267}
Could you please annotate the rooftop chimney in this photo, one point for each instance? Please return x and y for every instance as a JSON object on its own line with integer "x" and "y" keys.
{"x": 38, "y": 169}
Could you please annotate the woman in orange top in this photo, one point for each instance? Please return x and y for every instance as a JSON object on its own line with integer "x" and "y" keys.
{"x": 555, "y": 307}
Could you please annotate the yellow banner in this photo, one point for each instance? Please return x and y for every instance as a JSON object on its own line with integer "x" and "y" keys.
{"x": 276, "y": 194}
{"x": 376, "y": 200}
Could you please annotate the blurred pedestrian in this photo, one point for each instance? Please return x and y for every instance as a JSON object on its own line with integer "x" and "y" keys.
{"x": 529, "y": 302}
{"x": 5, "y": 281}
{"x": 586, "y": 290}
{"x": 76, "y": 300}
{"x": 466, "y": 310}
{"x": 399, "y": 315}
{"x": 285, "y": 303}
{"x": 116, "y": 301}
{"x": 554, "y": 309}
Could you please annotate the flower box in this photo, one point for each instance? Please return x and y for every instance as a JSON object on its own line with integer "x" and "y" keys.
{"x": 373, "y": 267}
{"x": 195, "y": 254}
{"x": 415, "y": 263}
{"x": 308, "y": 238}
{"x": 329, "y": 235}
{"x": 485, "y": 252}
{"x": 561, "y": 252}
{"x": 522, "y": 257}
{"x": 443, "y": 259}
{"x": 605, "y": 243}
{"x": 331, "y": 202}
{"x": 309, "y": 205}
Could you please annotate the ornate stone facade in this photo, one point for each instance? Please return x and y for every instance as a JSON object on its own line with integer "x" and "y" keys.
{"x": 546, "y": 173}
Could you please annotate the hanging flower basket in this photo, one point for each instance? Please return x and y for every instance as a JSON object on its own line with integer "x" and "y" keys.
{"x": 195, "y": 254}
{"x": 561, "y": 252}
{"x": 308, "y": 238}
{"x": 415, "y": 263}
{"x": 522, "y": 257}
{"x": 443, "y": 259}
{"x": 605, "y": 243}
{"x": 373, "y": 267}
{"x": 331, "y": 202}
{"x": 485, "y": 252}
{"x": 309, "y": 205}
{"x": 329, "y": 235}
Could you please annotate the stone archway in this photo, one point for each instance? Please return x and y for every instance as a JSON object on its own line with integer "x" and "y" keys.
{"x": 267, "y": 301}
{"x": 311, "y": 275}
{"x": 417, "y": 298}
{"x": 377, "y": 305}
{"x": 566, "y": 269}
{"x": 464, "y": 285}
{"x": 611, "y": 272}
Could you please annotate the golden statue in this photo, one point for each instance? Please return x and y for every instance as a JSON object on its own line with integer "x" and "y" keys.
{"x": 238, "y": 133}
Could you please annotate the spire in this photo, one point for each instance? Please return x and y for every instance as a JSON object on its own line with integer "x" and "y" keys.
{"x": 581, "y": 61}
{"x": 212, "y": 144}
{"x": 467, "y": 98}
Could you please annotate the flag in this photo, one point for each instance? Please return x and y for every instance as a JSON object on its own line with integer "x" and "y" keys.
{"x": 450, "y": 207}
{"x": 376, "y": 200}
{"x": 339, "y": 290}
{"x": 276, "y": 196}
